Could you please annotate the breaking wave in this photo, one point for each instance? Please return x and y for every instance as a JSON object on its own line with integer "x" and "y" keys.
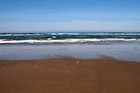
{"x": 63, "y": 41}
{"x": 17, "y": 38}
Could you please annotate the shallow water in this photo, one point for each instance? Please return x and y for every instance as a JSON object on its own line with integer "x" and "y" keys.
{"x": 122, "y": 51}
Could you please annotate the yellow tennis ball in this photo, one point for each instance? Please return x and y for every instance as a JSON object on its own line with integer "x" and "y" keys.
{"x": 77, "y": 62}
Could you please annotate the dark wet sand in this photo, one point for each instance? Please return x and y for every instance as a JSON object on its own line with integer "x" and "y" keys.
{"x": 64, "y": 75}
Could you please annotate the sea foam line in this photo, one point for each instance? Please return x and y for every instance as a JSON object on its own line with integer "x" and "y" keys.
{"x": 2, "y": 41}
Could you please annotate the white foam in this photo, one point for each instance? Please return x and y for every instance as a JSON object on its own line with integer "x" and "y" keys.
{"x": 3, "y": 41}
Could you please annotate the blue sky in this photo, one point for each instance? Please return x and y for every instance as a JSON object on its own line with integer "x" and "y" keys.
{"x": 69, "y": 15}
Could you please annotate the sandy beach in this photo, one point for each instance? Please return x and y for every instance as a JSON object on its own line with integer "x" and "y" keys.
{"x": 64, "y": 75}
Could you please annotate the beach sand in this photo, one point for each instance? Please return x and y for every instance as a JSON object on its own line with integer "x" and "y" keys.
{"x": 65, "y": 75}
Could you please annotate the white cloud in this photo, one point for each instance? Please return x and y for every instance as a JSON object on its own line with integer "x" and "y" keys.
{"x": 69, "y": 26}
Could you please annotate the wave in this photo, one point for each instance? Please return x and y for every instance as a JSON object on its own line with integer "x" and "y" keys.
{"x": 16, "y": 38}
{"x": 19, "y": 34}
{"x": 3, "y": 41}
{"x": 100, "y": 33}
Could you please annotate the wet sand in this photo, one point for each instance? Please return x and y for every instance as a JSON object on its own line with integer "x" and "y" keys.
{"x": 64, "y": 75}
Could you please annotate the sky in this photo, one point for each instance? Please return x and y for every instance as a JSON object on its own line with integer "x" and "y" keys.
{"x": 69, "y": 16}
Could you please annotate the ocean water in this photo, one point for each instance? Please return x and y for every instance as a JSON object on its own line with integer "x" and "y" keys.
{"x": 10, "y": 38}
{"x": 27, "y": 46}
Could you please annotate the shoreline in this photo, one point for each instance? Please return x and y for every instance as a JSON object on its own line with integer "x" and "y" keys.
{"x": 65, "y": 75}
{"x": 101, "y": 57}
{"x": 84, "y": 51}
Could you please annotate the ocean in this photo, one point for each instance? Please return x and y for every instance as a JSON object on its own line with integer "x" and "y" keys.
{"x": 28, "y": 46}
{"x": 12, "y": 38}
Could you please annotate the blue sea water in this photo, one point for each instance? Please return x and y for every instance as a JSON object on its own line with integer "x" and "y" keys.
{"x": 10, "y": 38}
{"x": 27, "y": 46}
